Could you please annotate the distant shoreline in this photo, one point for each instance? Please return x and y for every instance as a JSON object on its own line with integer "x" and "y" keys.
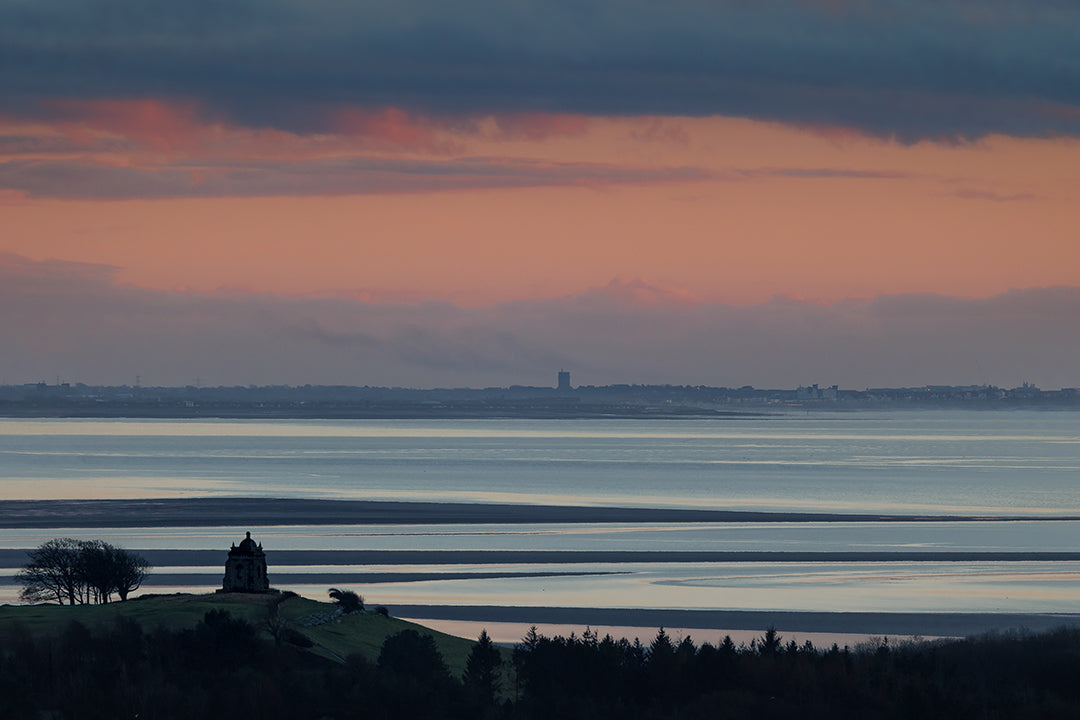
{"x": 238, "y": 511}
{"x": 602, "y": 412}
{"x": 342, "y": 402}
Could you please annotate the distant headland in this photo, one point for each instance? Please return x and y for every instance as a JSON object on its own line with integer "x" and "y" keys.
{"x": 78, "y": 400}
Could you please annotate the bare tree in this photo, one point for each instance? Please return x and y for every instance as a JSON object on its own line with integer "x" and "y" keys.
{"x": 276, "y": 624}
{"x": 80, "y": 571}
{"x": 53, "y": 573}
{"x": 95, "y": 562}
{"x": 129, "y": 572}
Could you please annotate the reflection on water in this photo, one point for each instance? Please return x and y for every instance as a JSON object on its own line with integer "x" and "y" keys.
{"x": 1032, "y": 587}
{"x": 907, "y": 588}
{"x": 508, "y": 633}
{"x": 932, "y": 462}
{"x": 887, "y": 426}
{"x": 974, "y": 536}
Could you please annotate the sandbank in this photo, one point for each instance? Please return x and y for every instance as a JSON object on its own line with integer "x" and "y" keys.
{"x": 235, "y": 511}
{"x": 15, "y": 557}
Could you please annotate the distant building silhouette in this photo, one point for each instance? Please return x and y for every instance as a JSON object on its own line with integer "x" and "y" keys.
{"x": 245, "y": 570}
{"x": 564, "y": 381}
{"x": 813, "y": 392}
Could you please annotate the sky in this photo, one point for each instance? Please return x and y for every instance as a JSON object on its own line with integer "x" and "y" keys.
{"x": 431, "y": 194}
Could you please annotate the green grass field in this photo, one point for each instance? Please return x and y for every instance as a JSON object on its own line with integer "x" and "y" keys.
{"x": 362, "y": 632}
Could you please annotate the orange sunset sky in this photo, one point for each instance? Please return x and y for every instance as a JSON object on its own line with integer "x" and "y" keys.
{"x": 709, "y": 160}
{"x": 712, "y": 208}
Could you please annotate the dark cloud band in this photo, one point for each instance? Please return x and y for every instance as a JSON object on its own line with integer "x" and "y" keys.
{"x": 909, "y": 69}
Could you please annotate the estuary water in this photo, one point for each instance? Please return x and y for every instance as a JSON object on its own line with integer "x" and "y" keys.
{"x": 1000, "y": 463}
{"x": 1024, "y": 466}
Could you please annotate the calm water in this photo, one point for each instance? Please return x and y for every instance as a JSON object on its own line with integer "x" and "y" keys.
{"x": 925, "y": 462}
{"x": 935, "y": 463}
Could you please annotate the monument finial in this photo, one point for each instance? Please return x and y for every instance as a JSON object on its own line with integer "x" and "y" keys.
{"x": 248, "y": 534}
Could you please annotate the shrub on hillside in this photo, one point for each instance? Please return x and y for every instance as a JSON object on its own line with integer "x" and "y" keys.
{"x": 347, "y": 600}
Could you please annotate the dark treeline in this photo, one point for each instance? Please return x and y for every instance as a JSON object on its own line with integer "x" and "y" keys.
{"x": 1009, "y": 676}
{"x": 222, "y": 668}
{"x": 225, "y": 668}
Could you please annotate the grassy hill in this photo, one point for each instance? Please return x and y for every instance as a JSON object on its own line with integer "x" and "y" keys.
{"x": 334, "y": 635}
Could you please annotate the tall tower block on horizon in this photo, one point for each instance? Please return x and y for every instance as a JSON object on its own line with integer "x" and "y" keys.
{"x": 564, "y": 381}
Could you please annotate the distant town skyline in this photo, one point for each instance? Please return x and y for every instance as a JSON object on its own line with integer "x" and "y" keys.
{"x": 336, "y": 402}
{"x": 423, "y": 194}
{"x": 73, "y": 322}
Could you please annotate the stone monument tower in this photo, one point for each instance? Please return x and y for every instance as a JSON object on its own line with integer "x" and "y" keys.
{"x": 245, "y": 570}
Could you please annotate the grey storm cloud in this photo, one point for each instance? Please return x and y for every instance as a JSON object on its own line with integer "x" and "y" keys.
{"x": 826, "y": 173}
{"x": 359, "y": 175}
{"x": 909, "y": 69}
{"x": 72, "y": 320}
{"x": 968, "y": 194}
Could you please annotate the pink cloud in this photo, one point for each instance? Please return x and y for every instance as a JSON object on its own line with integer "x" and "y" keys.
{"x": 49, "y": 276}
{"x": 131, "y": 132}
{"x": 969, "y": 194}
{"x": 662, "y": 130}
{"x": 392, "y": 126}
{"x": 156, "y": 124}
{"x": 13, "y": 197}
{"x": 448, "y": 134}
{"x": 540, "y": 126}
{"x": 637, "y": 292}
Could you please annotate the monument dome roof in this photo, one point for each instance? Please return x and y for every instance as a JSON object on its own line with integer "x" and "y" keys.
{"x": 247, "y": 546}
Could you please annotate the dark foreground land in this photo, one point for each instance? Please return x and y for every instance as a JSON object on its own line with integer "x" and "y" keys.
{"x": 186, "y": 656}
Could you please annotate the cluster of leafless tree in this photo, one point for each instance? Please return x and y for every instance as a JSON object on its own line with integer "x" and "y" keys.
{"x": 66, "y": 570}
